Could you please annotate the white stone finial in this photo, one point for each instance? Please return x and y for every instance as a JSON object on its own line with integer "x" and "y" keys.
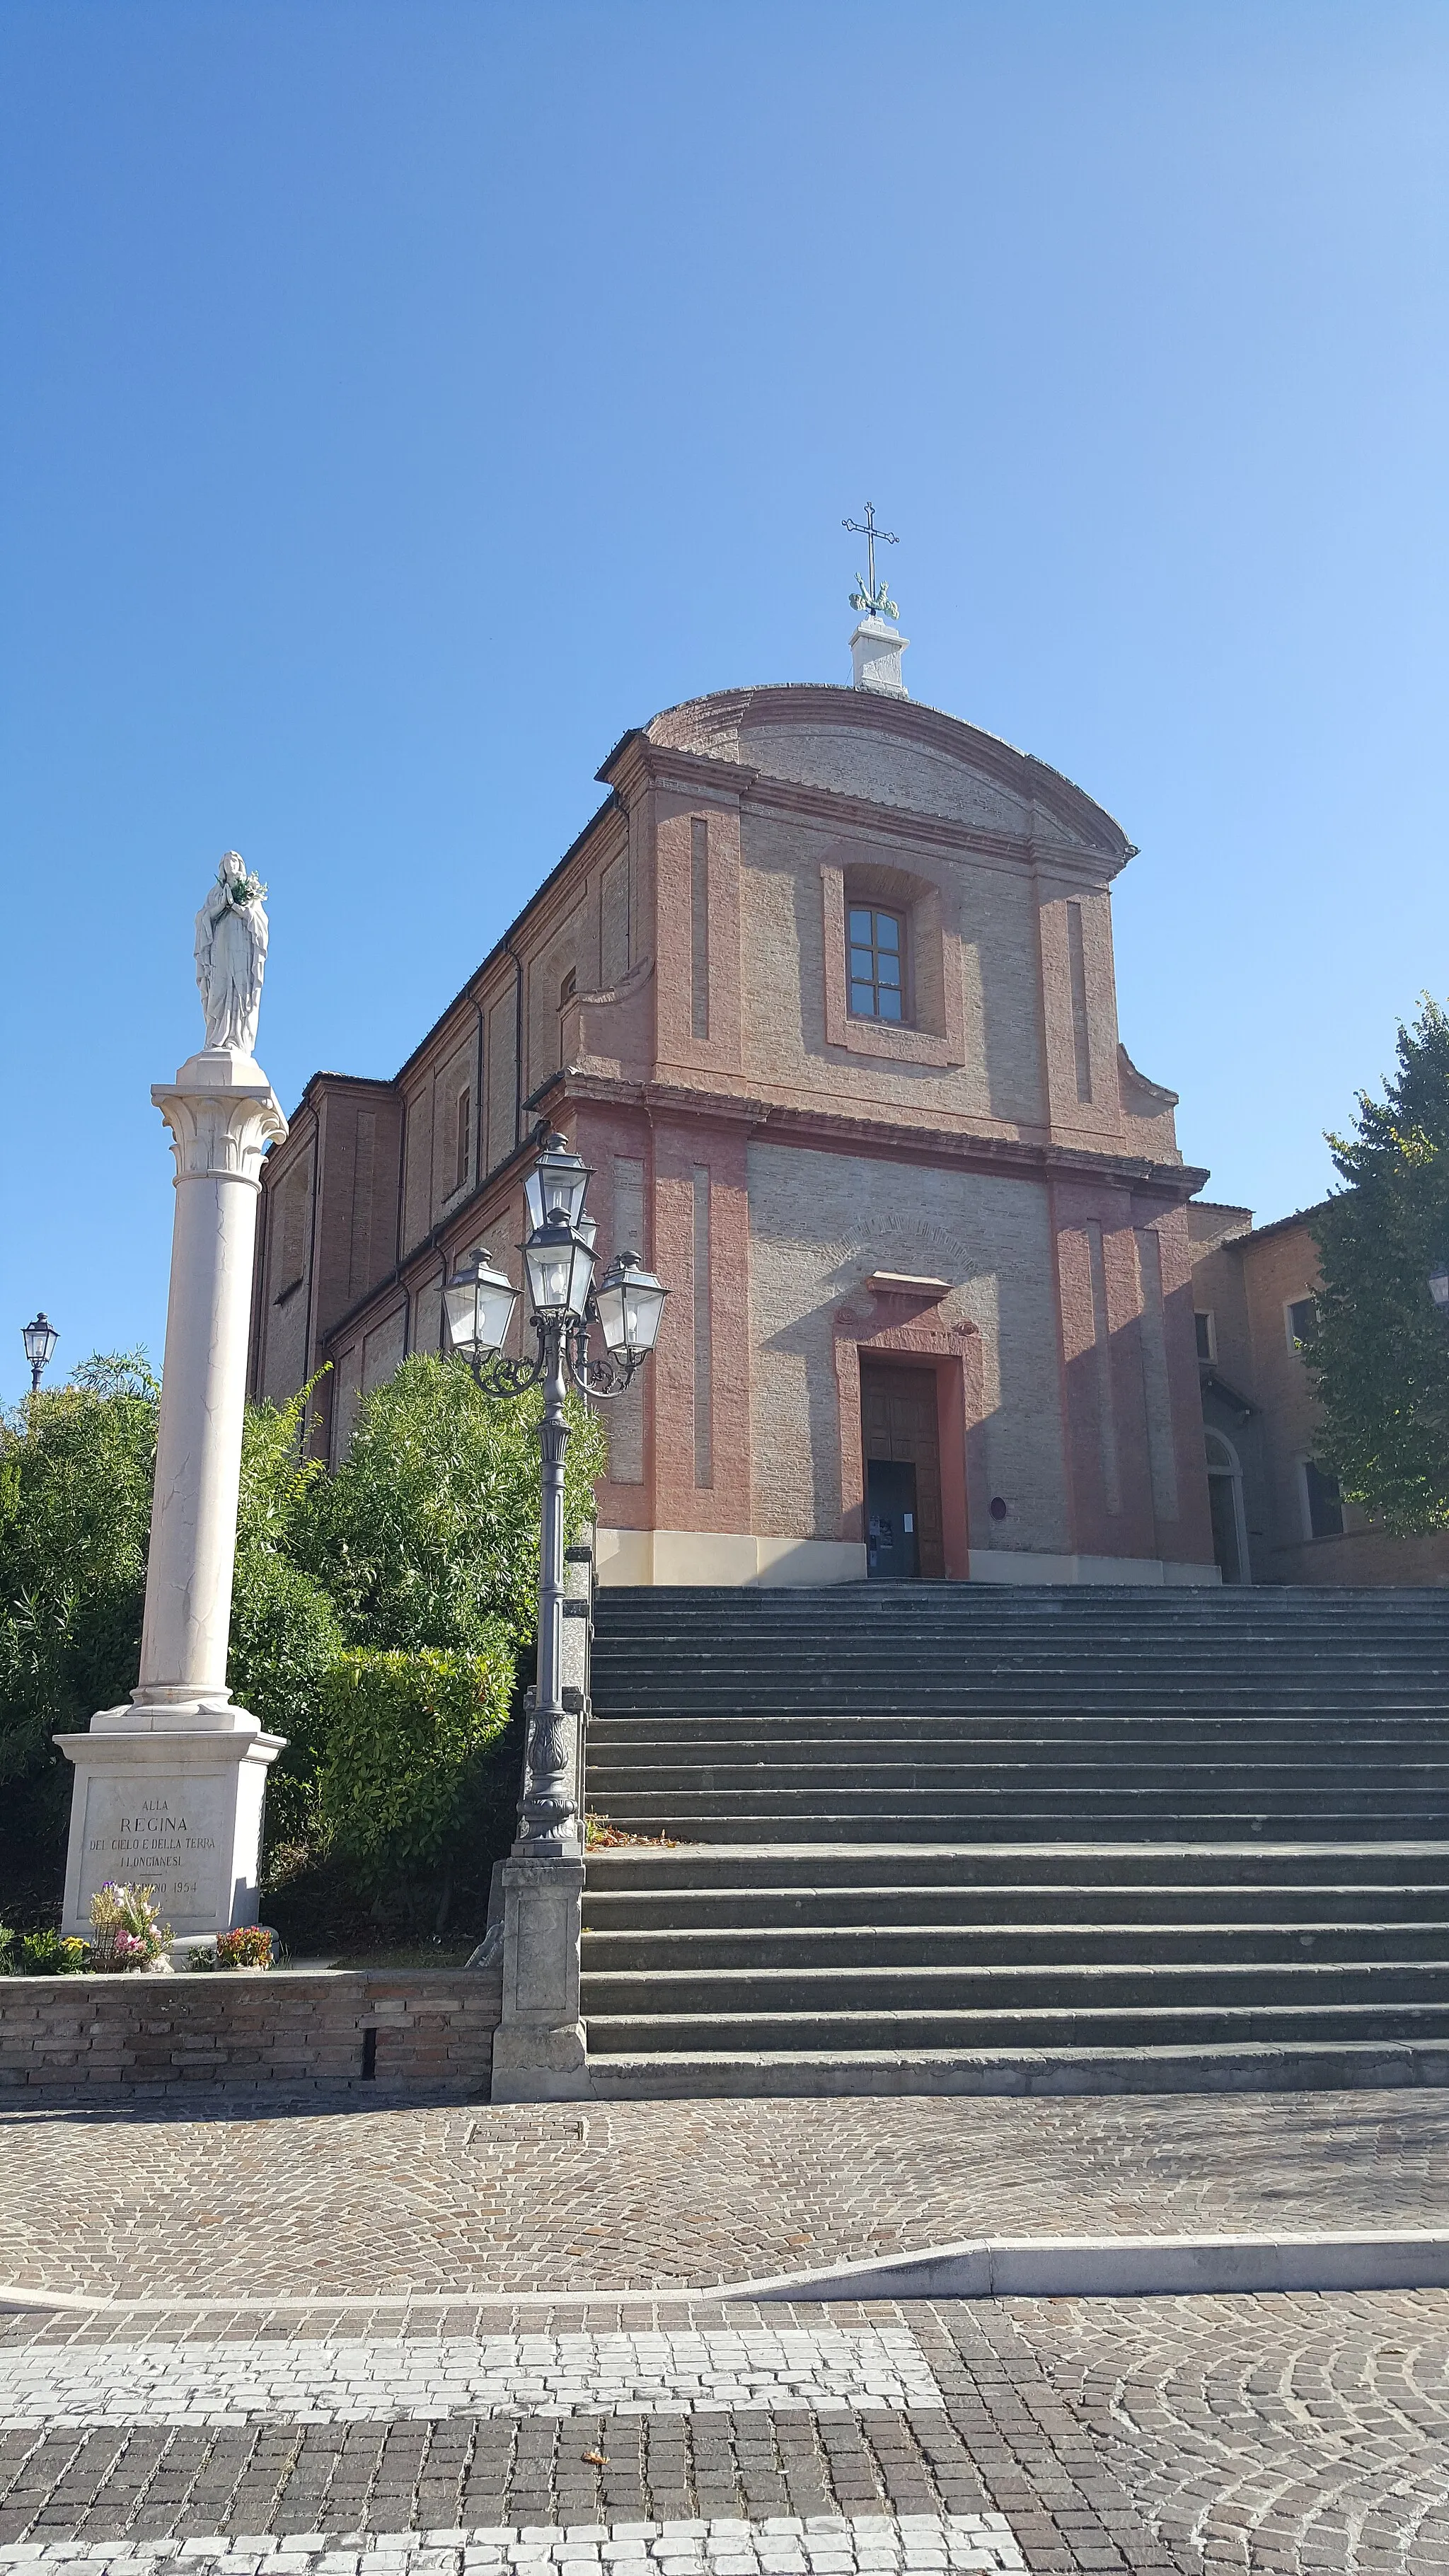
{"x": 877, "y": 644}
{"x": 875, "y": 651}
{"x": 231, "y": 954}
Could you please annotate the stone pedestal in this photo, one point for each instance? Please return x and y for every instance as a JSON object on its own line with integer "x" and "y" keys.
{"x": 177, "y": 1808}
{"x": 875, "y": 652}
{"x": 168, "y": 1790}
{"x": 539, "y": 2052}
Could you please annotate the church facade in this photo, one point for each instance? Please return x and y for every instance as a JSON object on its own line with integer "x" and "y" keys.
{"x": 824, "y": 994}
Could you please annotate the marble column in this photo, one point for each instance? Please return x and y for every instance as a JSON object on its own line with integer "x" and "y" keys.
{"x": 169, "y": 1787}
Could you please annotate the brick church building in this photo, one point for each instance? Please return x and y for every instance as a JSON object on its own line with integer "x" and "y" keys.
{"x": 824, "y": 993}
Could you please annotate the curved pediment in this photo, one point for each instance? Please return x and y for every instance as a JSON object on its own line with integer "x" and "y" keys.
{"x": 891, "y": 752}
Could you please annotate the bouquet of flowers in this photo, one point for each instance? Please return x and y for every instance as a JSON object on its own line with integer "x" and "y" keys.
{"x": 250, "y": 1946}
{"x": 242, "y": 890}
{"x": 126, "y": 1930}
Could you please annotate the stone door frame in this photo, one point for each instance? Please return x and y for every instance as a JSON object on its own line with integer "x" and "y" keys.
{"x": 906, "y": 1326}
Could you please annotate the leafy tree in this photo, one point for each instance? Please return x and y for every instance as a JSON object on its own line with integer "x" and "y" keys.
{"x": 1380, "y": 1349}
{"x": 76, "y": 1470}
{"x": 76, "y": 1466}
{"x": 428, "y": 1534}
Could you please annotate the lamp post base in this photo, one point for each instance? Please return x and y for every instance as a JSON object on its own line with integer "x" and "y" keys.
{"x": 539, "y": 2048}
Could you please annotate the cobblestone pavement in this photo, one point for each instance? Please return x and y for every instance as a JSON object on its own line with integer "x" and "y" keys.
{"x": 351, "y": 2380}
{"x": 1287, "y": 2435}
{"x": 923, "y": 2545}
{"x": 674, "y": 2195}
{"x": 1170, "y": 2437}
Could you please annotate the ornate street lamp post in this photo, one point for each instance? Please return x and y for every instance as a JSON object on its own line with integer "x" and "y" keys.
{"x": 565, "y": 1304}
{"x": 40, "y": 1339}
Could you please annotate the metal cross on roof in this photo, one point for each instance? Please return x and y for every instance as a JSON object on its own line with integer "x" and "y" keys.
{"x": 872, "y": 598}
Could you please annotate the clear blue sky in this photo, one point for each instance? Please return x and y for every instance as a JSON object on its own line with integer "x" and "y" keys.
{"x": 401, "y": 397}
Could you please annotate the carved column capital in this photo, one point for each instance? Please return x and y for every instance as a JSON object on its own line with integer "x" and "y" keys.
{"x": 220, "y": 1132}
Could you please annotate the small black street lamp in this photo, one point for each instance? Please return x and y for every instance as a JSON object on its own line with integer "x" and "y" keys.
{"x": 40, "y": 1339}
{"x": 627, "y": 1305}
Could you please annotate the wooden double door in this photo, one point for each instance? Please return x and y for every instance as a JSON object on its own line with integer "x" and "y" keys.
{"x": 901, "y": 1447}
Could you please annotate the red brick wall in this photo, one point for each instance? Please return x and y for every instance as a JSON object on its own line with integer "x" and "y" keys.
{"x": 238, "y": 2034}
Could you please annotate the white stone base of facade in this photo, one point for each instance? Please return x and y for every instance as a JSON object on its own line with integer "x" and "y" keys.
{"x": 1029, "y": 1565}
{"x": 724, "y": 1557}
{"x": 169, "y": 1798}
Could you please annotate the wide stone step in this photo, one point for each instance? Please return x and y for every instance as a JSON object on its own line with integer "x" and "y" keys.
{"x": 934, "y": 1698}
{"x": 1165, "y": 1735}
{"x": 1298, "y": 2065}
{"x": 996, "y": 1812}
{"x": 784, "y": 1775}
{"x": 800, "y": 1649}
{"x": 970, "y": 1821}
{"x": 1003, "y": 1863}
{"x": 1214, "y": 2025}
{"x": 764, "y": 1911}
{"x": 1048, "y": 1984}
{"x": 847, "y": 1950}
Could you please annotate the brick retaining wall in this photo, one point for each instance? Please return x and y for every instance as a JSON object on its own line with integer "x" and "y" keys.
{"x": 304, "y": 2031}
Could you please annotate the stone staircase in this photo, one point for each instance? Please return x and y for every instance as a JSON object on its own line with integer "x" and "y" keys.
{"x": 962, "y": 1837}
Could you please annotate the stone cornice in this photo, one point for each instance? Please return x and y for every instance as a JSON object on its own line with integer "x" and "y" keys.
{"x": 834, "y": 1130}
{"x": 1019, "y": 772}
{"x": 825, "y": 1131}
{"x": 641, "y": 764}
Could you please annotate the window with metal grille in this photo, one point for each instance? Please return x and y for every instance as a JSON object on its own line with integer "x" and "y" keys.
{"x": 876, "y": 964}
{"x": 463, "y": 1140}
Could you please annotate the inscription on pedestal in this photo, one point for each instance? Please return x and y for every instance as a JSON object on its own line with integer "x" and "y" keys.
{"x": 170, "y": 1834}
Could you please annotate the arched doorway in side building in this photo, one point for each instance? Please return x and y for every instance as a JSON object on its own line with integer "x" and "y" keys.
{"x": 901, "y": 1449}
{"x": 1225, "y": 1500}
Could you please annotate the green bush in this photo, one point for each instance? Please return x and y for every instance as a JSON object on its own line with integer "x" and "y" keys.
{"x": 49, "y": 1954}
{"x": 285, "y": 1639}
{"x": 406, "y": 1767}
{"x": 427, "y": 1535}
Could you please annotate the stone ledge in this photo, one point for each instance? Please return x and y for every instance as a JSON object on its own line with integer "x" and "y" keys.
{"x": 305, "y": 2030}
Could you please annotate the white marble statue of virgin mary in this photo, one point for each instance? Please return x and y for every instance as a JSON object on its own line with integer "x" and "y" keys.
{"x": 231, "y": 951}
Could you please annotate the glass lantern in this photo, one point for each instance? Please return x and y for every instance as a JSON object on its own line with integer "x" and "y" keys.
{"x": 478, "y": 1302}
{"x": 630, "y": 1301}
{"x": 560, "y": 1268}
{"x": 40, "y": 1338}
{"x": 556, "y": 1186}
